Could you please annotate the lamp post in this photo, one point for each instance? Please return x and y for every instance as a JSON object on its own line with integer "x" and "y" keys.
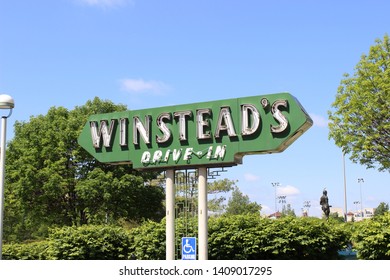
{"x": 275, "y": 185}
{"x": 6, "y": 102}
{"x": 360, "y": 181}
{"x": 356, "y": 203}
{"x": 307, "y": 204}
{"x": 345, "y": 190}
{"x": 282, "y": 200}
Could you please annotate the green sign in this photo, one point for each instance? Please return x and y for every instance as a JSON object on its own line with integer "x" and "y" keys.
{"x": 217, "y": 133}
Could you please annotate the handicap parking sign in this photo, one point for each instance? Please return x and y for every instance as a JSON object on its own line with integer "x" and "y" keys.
{"x": 188, "y": 248}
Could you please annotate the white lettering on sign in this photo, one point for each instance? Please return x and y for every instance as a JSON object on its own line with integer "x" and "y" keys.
{"x": 123, "y": 132}
{"x": 202, "y": 123}
{"x": 250, "y": 119}
{"x": 182, "y": 123}
{"x": 140, "y": 129}
{"x": 187, "y": 154}
{"x": 225, "y": 122}
{"x": 104, "y": 132}
{"x": 250, "y": 124}
{"x": 283, "y": 122}
{"x": 163, "y": 127}
{"x": 158, "y": 156}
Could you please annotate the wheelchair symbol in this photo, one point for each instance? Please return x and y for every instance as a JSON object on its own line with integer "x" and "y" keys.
{"x": 187, "y": 248}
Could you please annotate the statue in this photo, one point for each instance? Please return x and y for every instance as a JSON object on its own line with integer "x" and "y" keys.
{"x": 324, "y": 201}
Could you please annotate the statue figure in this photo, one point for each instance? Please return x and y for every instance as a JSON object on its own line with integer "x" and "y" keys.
{"x": 324, "y": 202}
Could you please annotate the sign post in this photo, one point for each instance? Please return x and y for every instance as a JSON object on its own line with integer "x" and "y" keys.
{"x": 170, "y": 214}
{"x": 200, "y": 135}
{"x": 202, "y": 214}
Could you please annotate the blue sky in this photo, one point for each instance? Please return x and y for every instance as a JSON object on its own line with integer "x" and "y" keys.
{"x": 145, "y": 53}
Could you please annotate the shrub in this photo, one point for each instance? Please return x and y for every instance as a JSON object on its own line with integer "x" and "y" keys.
{"x": 371, "y": 238}
{"x": 288, "y": 238}
{"x": 233, "y": 237}
{"x": 241, "y": 237}
{"x": 26, "y": 251}
{"x": 148, "y": 241}
{"x": 89, "y": 243}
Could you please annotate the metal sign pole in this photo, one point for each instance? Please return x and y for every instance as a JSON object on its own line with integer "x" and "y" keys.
{"x": 170, "y": 214}
{"x": 203, "y": 214}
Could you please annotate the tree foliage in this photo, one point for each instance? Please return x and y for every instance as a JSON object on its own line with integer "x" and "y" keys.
{"x": 287, "y": 210}
{"x": 239, "y": 204}
{"x": 216, "y": 202}
{"x": 52, "y": 181}
{"x": 382, "y": 209}
{"x": 187, "y": 192}
{"x": 360, "y": 122}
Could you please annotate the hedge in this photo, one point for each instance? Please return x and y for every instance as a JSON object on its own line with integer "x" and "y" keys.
{"x": 75, "y": 243}
{"x": 249, "y": 237}
{"x": 371, "y": 238}
{"x": 26, "y": 251}
{"x": 230, "y": 238}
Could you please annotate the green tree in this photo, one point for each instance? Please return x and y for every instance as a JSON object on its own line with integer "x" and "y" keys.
{"x": 381, "y": 209}
{"x": 215, "y": 189}
{"x": 288, "y": 211}
{"x": 335, "y": 217}
{"x": 52, "y": 181}
{"x": 360, "y": 122}
{"x": 187, "y": 192}
{"x": 239, "y": 204}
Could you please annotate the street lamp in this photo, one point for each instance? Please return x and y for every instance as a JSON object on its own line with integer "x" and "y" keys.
{"x": 282, "y": 200}
{"x": 345, "y": 190}
{"x": 275, "y": 185}
{"x": 356, "y": 203}
{"x": 307, "y": 204}
{"x": 360, "y": 181}
{"x": 6, "y": 102}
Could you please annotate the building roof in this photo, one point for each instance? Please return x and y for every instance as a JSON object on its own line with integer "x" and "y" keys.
{"x": 275, "y": 215}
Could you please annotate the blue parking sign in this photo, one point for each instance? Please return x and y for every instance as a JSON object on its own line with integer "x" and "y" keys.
{"x": 188, "y": 248}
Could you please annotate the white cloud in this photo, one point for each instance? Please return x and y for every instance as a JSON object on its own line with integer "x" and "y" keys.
{"x": 319, "y": 121}
{"x": 251, "y": 177}
{"x": 266, "y": 210}
{"x": 105, "y": 3}
{"x": 287, "y": 190}
{"x": 140, "y": 85}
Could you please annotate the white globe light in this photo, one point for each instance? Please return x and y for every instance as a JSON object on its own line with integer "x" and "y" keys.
{"x": 6, "y": 102}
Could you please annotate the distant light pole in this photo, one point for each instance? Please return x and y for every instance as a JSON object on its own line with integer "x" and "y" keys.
{"x": 6, "y": 102}
{"x": 275, "y": 185}
{"x": 307, "y": 204}
{"x": 360, "y": 181}
{"x": 356, "y": 203}
{"x": 282, "y": 200}
{"x": 345, "y": 191}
